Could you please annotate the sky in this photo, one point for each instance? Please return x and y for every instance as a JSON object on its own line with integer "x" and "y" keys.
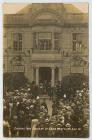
{"x": 12, "y": 8}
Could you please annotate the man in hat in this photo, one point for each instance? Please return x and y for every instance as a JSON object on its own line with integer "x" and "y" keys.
{"x": 46, "y": 127}
{"x": 6, "y": 127}
{"x": 52, "y": 128}
{"x": 68, "y": 133}
{"x": 44, "y": 104}
{"x": 40, "y": 127}
{"x": 59, "y": 130}
{"x": 14, "y": 126}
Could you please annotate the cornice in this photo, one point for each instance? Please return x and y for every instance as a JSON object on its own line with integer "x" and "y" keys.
{"x": 45, "y": 24}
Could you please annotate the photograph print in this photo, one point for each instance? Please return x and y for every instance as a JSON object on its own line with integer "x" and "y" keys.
{"x": 45, "y": 70}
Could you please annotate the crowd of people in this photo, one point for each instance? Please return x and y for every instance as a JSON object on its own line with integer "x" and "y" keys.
{"x": 26, "y": 116}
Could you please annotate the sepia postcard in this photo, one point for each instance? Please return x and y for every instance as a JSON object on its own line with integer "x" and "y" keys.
{"x": 45, "y": 70}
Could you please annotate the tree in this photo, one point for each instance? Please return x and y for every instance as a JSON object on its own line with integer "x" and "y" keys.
{"x": 73, "y": 82}
{"x": 14, "y": 80}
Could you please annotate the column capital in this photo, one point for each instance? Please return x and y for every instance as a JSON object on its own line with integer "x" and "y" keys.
{"x": 35, "y": 67}
{"x": 53, "y": 67}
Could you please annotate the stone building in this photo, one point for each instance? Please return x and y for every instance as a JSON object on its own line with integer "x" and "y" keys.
{"x": 46, "y": 42}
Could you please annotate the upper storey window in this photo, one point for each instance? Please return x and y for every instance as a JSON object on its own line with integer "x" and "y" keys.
{"x": 17, "y": 41}
{"x": 77, "y": 42}
{"x": 56, "y": 40}
{"x": 45, "y": 41}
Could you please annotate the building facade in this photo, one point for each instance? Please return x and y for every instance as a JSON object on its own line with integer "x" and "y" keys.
{"x": 46, "y": 42}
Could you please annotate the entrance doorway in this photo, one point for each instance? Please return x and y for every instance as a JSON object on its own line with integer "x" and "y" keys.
{"x": 44, "y": 74}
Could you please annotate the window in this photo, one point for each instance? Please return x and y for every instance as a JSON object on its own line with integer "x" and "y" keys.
{"x": 74, "y": 36}
{"x": 44, "y": 40}
{"x": 74, "y": 46}
{"x": 56, "y": 40}
{"x": 77, "y": 42}
{"x": 35, "y": 38}
{"x": 17, "y": 41}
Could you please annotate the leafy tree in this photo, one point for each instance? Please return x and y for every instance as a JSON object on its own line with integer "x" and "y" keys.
{"x": 73, "y": 82}
{"x": 14, "y": 80}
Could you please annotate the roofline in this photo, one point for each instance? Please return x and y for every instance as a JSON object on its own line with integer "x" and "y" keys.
{"x": 58, "y": 25}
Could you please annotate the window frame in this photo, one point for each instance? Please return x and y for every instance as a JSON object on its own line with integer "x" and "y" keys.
{"x": 49, "y": 40}
{"x": 19, "y": 42}
{"x": 77, "y": 43}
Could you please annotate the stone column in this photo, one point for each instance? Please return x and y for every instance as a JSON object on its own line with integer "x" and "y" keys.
{"x": 37, "y": 75}
{"x": 52, "y": 76}
{"x": 60, "y": 74}
{"x": 32, "y": 74}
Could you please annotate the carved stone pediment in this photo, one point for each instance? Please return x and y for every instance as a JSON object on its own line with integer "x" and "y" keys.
{"x": 46, "y": 16}
{"x": 17, "y": 60}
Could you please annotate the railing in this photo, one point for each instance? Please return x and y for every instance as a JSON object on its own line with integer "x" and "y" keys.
{"x": 45, "y": 51}
{"x": 13, "y": 52}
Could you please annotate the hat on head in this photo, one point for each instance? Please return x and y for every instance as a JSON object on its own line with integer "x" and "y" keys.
{"x": 38, "y": 98}
{"x": 46, "y": 120}
{"x": 68, "y": 125}
{"x": 31, "y": 106}
{"x": 59, "y": 125}
{"x": 28, "y": 89}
